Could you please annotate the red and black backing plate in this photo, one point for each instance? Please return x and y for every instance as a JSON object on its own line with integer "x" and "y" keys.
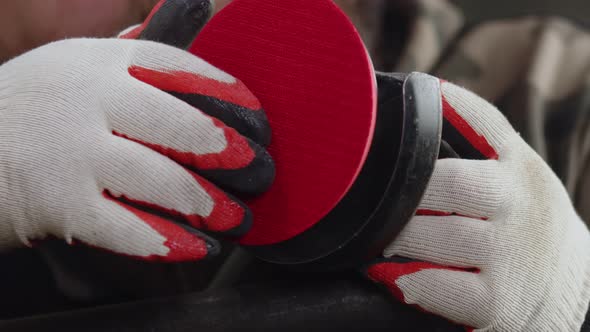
{"x": 309, "y": 68}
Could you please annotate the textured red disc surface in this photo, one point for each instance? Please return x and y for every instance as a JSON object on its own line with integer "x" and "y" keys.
{"x": 307, "y": 64}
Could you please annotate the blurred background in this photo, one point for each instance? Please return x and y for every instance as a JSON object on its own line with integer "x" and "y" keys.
{"x": 29, "y": 23}
{"x": 476, "y": 11}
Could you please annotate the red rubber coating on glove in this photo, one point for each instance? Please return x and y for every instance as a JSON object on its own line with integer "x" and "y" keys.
{"x": 310, "y": 70}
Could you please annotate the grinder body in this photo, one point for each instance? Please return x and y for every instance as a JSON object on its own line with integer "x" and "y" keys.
{"x": 389, "y": 187}
{"x": 354, "y": 149}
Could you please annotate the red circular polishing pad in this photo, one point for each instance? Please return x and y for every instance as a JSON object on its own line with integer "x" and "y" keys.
{"x": 309, "y": 68}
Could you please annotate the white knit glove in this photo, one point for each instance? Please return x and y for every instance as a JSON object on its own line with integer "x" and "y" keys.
{"x": 496, "y": 244}
{"x": 92, "y": 130}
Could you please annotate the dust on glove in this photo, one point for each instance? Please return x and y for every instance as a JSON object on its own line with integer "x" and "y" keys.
{"x": 496, "y": 244}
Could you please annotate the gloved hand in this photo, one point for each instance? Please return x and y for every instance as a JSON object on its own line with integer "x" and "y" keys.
{"x": 125, "y": 145}
{"x": 496, "y": 244}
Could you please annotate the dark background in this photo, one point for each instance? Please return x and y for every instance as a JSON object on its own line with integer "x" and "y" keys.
{"x": 475, "y": 11}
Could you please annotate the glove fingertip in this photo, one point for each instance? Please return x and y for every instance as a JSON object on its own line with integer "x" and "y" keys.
{"x": 193, "y": 245}
{"x": 176, "y": 22}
